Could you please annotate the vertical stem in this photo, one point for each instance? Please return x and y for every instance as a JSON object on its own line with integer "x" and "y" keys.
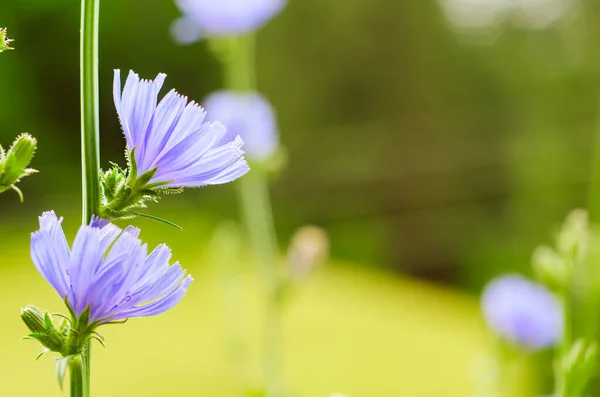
{"x": 76, "y": 376}
{"x": 256, "y": 208}
{"x": 562, "y": 381}
{"x": 90, "y": 150}
{"x": 258, "y": 217}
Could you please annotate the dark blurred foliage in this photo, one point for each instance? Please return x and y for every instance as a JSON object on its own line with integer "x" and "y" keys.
{"x": 419, "y": 146}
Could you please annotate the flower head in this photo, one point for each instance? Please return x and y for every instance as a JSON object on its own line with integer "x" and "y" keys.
{"x": 248, "y": 115}
{"x": 522, "y": 312}
{"x": 223, "y": 17}
{"x": 107, "y": 270}
{"x": 173, "y": 138}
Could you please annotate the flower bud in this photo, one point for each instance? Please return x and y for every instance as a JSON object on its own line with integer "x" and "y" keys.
{"x": 21, "y": 152}
{"x": 4, "y": 41}
{"x": 33, "y": 319}
{"x": 550, "y": 267}
{"x": 14, "y": 162}
{"x": 572, "y": 239}
{"x": 309, "y": 248}
{"x": 42, "y": 329}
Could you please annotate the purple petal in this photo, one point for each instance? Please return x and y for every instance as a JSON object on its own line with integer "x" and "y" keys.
{"x": 173, "y": 136}
{"x": 50, "y": 252}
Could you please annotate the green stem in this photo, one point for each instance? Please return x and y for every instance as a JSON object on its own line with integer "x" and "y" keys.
{"x": 77, "y": 377}
{"x": 256, "y": 208}
{"x": 255, "y": 202}
{"x": 562, "y": 381}
{"x": 90, "y": 148}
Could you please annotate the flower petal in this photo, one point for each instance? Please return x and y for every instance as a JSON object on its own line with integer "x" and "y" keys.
{"x": 50, "y": 252}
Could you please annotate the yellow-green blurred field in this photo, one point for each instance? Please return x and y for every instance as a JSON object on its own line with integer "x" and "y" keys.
{"x": 347, "y": 330}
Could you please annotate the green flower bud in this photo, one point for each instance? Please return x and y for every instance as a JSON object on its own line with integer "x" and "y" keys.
{"x": 572, "y": 241}
{"x": 43, "y": 330}
{"x": 4, "y": 40}
{"x": 21, "y": 152}
{"x": 34, "y": 319}
{"x": 13, "y": 164}
{"x": 550, "y": 268}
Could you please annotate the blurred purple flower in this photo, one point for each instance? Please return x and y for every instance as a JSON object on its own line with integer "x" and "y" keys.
{"x": 248, "y": 115}
{"x": 108, "y": 269}
{"x": 222, "y": 17}
{"x": 522, "y": 311}
{"x": 173, "y": 137}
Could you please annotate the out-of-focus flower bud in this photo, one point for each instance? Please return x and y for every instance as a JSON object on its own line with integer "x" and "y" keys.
{"x": 550, "y": 268}
{"x": 573, "y": 237}
{"x": 309, "y": 248}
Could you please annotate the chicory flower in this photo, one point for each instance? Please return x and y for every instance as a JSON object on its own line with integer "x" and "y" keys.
{"x": 522, "y": 312}
{"x": 107, "y": 272}
{"x": 249, "y": 115}
{"x": 172, "y": 136}
{"x": 169, "y": 147}
{"x": 222, "y": 18}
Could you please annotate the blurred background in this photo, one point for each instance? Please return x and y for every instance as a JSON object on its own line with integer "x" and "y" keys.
{"x": 438, "y": 142}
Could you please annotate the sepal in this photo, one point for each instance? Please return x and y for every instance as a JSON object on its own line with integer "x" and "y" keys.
{"x": 124, "y": 191}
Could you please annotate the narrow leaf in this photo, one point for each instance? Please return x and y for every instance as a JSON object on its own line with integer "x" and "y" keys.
{"x": 155, "y": 218}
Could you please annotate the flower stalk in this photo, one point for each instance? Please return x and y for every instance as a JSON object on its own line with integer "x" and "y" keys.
{"x": 238, "y": 56}
{"x": 90, "y": 149}
{"x": 90, "y": 152}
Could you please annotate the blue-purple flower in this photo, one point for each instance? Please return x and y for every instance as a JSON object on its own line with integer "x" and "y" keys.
{"x": 522, "y": 312}
{"x": 222, "y": 18}
{"x": 173, "y": 138}
{"x": 249, "y": 115}
{"x": 108, "y": 270}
